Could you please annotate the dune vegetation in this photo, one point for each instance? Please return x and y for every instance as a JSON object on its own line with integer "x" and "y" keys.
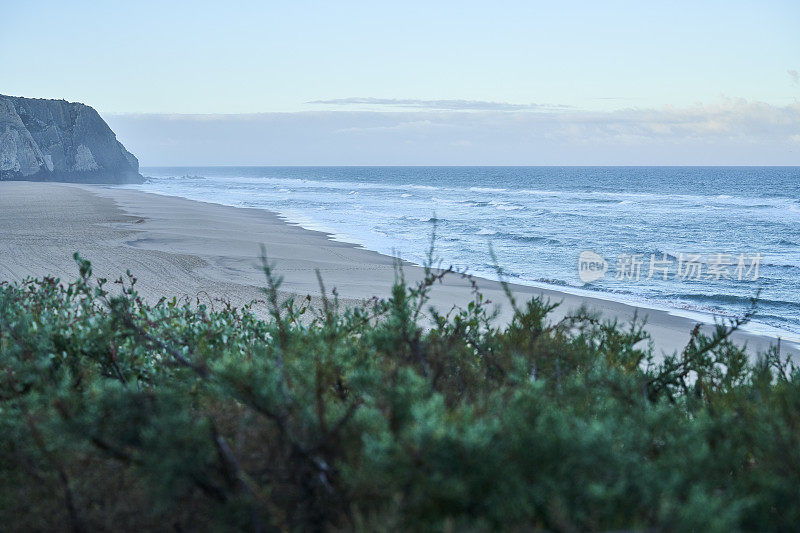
{"x": 117, "y": 414}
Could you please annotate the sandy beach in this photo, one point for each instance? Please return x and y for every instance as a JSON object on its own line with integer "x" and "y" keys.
{"x": 178, "y": 247}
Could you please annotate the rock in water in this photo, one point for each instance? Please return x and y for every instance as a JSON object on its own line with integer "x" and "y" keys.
{"x": 56, "y": 140}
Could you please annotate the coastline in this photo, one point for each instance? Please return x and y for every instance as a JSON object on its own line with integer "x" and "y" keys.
{"x": 180, "y": 247}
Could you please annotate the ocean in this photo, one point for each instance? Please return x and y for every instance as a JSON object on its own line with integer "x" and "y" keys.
{"x": 692, "y": 240}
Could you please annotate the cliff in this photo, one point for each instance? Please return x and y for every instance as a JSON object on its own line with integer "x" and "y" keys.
{"x": 56, "y": 140}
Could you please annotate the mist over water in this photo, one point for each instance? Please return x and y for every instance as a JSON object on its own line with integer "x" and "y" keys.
{"x": 539, "y": 219}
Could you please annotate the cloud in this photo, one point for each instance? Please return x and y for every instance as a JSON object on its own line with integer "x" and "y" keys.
{"x": 410, "y": 126}
{"x": 449, "y": 105}
{"x": 728, "y": 131}
{"x": 795, "y": 76}
{"x": 728, "y": 120}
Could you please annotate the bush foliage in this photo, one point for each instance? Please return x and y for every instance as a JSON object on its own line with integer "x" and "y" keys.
{"x": 119, "y": 415}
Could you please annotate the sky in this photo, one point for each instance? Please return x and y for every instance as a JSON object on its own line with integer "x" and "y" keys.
{"x": 571, "y": 82}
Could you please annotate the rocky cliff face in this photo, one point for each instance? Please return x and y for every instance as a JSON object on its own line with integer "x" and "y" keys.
{"x": 55, "y": 140}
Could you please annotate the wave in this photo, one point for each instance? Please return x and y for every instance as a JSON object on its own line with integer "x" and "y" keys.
{"x": 473, "y": 203}
{"x": 539, "y": 192}
{"x": 529, "y": 238}
{"x": 727, "y": 300}
{"x": 606, "y": 201}
{"x": 175, "y": 178}
{"x": 552, "y": 281}
{"x": 422, "y": 187}
{"x": 414, "y": 218}
{"x": 487, "y": 189}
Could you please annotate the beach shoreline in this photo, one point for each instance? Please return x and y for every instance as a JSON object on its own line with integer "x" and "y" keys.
{"x": 210, "y": 252}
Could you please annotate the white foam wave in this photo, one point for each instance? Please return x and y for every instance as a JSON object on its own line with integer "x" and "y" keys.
{"x": 487, "y": 189}
{"x": 422, "y": 187}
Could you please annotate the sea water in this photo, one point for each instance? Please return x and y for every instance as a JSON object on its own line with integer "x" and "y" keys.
{"x": 741, "y": 225}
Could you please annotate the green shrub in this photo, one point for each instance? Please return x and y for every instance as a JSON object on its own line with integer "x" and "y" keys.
{"x": 116, "y": 414}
